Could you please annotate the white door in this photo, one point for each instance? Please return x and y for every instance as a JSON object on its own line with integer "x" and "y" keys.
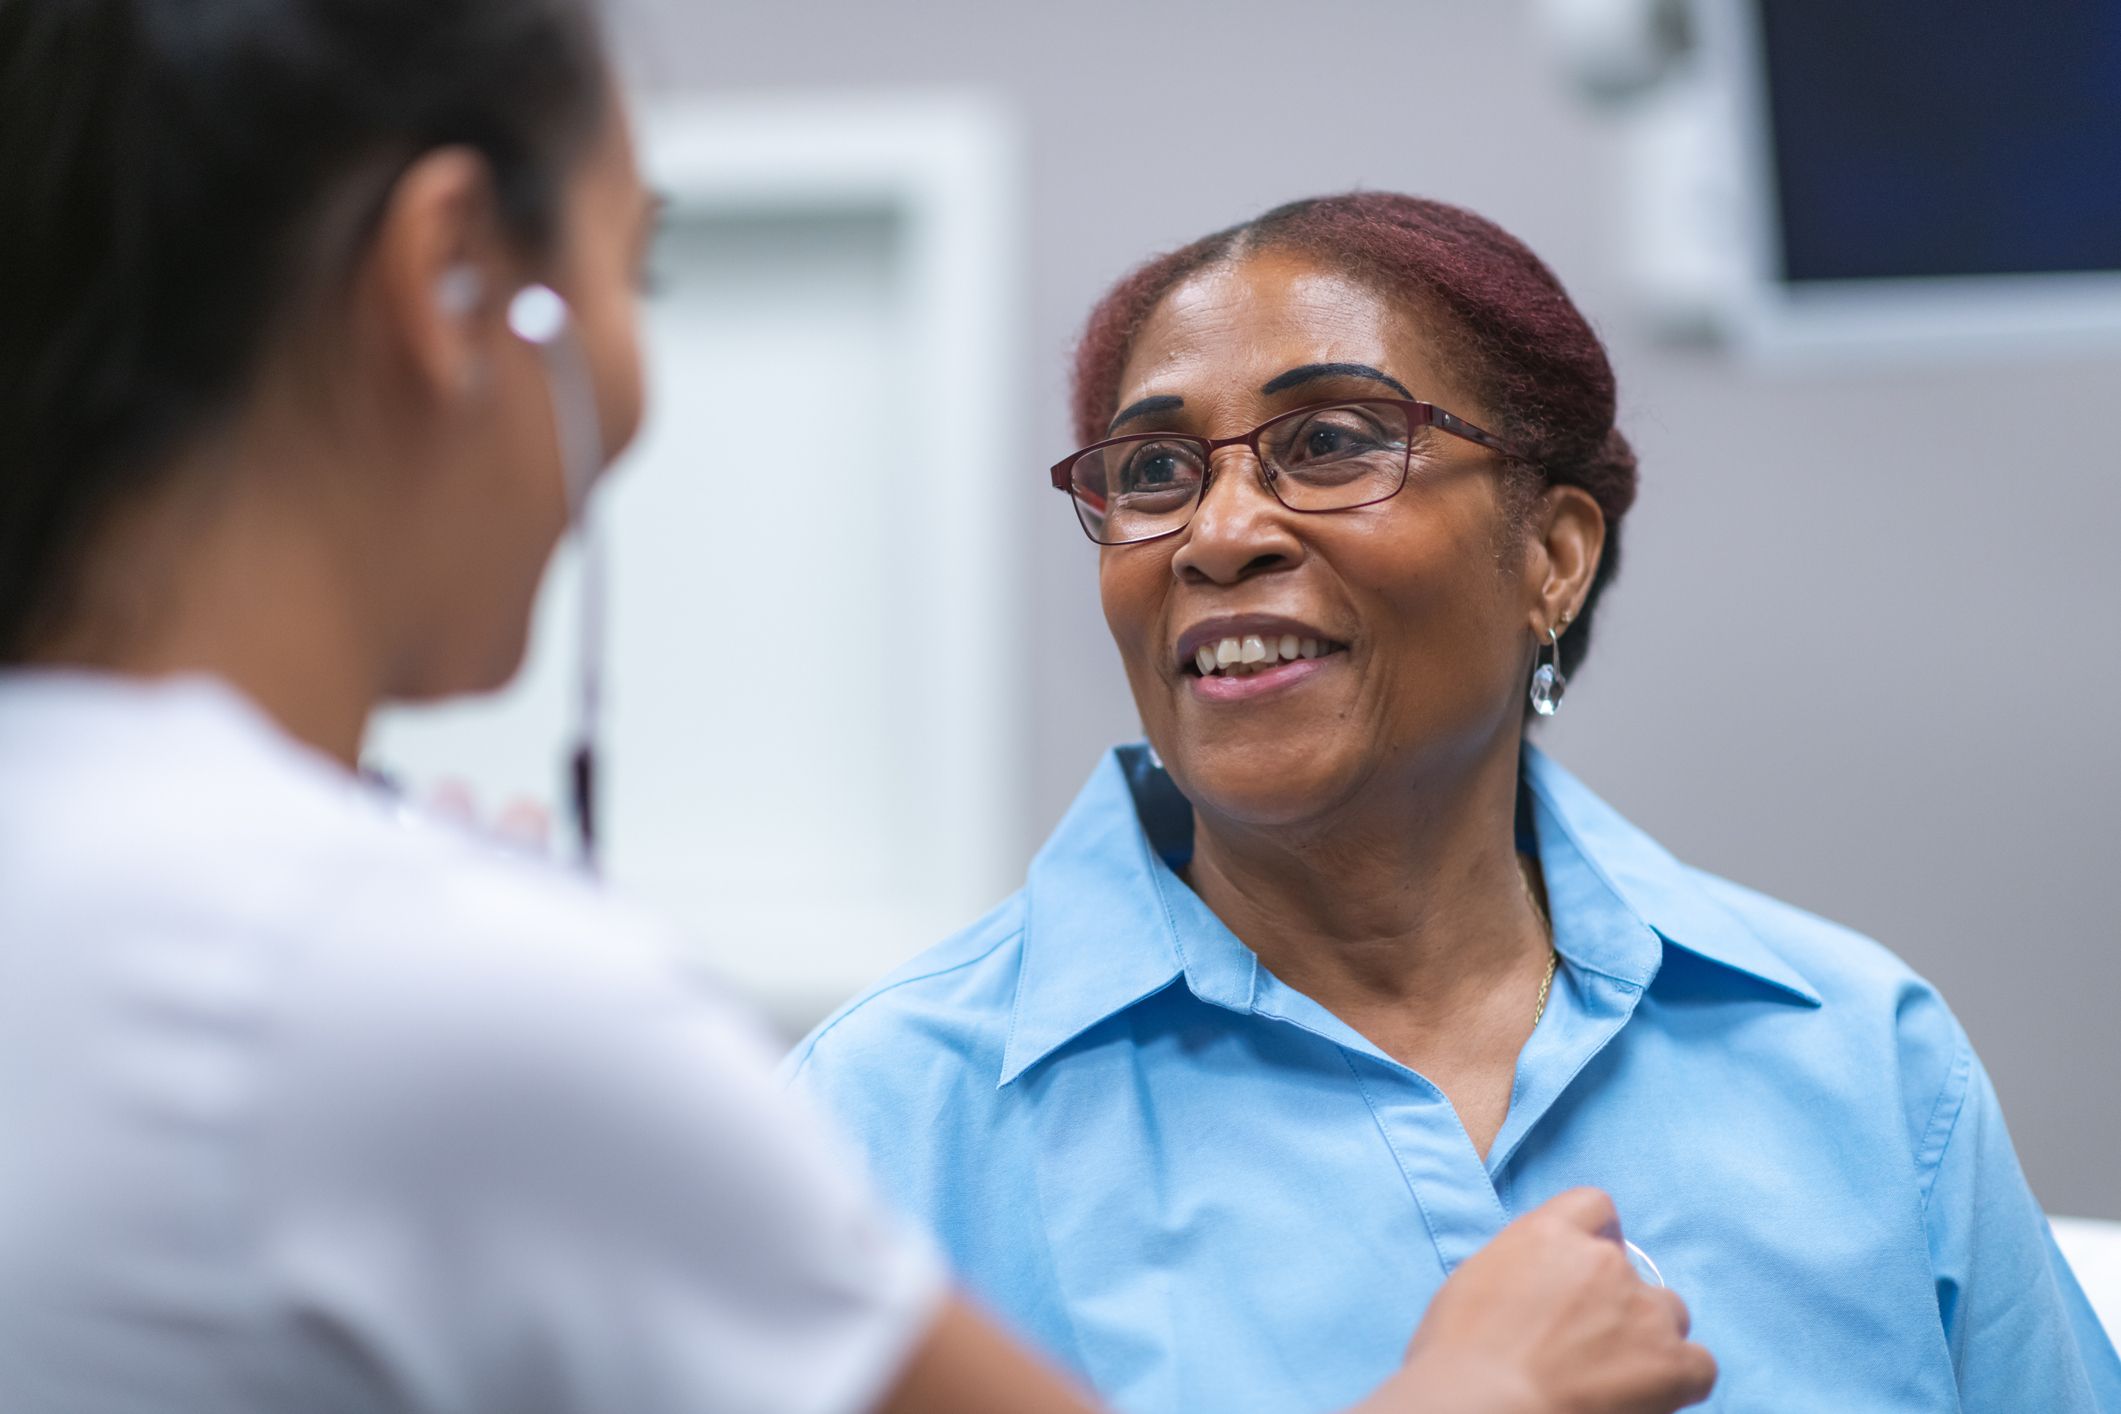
{"x": 808, "y": 751}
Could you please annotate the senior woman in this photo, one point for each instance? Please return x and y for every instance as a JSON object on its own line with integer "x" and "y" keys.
{"x": 1309, "y": 994}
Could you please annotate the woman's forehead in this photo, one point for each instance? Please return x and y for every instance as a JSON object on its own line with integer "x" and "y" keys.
{"x": 1237, "y": 325}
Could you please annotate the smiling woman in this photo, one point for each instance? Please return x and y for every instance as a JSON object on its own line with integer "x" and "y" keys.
{"x": 1303, "y": 1001}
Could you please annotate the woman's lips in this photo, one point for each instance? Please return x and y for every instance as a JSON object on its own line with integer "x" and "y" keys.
{"x": 1279, "y": 678}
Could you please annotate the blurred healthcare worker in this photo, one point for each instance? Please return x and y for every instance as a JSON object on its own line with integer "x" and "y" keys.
{"x": 317, "y": 317}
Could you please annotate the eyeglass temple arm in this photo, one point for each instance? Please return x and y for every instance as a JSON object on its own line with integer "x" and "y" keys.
{"x": 1458, "y": 426}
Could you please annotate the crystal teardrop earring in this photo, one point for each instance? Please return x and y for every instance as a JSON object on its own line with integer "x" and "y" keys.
{"x": 1547, "y": 682}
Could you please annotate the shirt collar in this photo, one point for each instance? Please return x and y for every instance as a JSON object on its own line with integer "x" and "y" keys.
{"x": 1587, "y": 849}
{"x": 1107, "y": 921}
{"x": 1098, "y": 932}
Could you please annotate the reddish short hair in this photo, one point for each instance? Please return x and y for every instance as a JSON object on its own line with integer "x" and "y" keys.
{"x": 1526, "y": 350}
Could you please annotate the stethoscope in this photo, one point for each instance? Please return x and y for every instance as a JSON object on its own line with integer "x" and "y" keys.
{"x": 540, "y": 318}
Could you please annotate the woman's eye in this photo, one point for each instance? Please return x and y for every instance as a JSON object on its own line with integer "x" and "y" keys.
{"x": 1157, "y": 468}
{"x": 1324, "y": 440}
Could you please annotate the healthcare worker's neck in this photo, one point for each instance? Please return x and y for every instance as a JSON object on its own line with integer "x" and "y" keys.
{"x": 241, "y": 573}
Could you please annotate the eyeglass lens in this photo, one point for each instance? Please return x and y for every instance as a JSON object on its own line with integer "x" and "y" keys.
{"x": 1327, "y": 458}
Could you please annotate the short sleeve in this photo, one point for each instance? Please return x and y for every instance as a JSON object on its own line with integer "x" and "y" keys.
{"x": 2021, "y": 1333}
{"x": 573, "y": 1183}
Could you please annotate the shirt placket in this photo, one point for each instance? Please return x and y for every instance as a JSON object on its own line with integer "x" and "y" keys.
{"x": 1460, "y": 1197}
{"x": 1450, "y": 1185}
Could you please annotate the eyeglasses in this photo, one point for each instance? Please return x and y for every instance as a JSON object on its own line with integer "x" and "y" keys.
{"x": 1327, "y": 457}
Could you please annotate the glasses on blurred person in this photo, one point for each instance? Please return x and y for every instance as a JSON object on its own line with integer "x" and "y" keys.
{"x": 1329, "y": 457}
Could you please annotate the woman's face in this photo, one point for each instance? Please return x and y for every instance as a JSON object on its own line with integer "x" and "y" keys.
{"x": 1424, "y": 604}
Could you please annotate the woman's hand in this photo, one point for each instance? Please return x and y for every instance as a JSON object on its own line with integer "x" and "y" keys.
{"x": 1550, "y": 1318}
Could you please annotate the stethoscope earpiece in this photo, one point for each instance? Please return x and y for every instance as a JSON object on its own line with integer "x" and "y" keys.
{"x": 540, "y": 318}
{"x": 538, "y": 315}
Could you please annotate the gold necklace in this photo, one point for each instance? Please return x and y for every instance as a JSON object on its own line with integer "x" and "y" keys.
{"x": 1546, "y": 925}
{"x": 1546, "y": 984}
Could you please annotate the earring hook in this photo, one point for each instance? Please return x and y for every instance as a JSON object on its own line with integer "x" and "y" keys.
{"x": 1547, "y": 682}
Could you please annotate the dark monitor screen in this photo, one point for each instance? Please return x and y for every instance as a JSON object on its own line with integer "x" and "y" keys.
{"x": 1944, "y": 137}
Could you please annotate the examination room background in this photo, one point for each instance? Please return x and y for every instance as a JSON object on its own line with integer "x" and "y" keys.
{"x": 1863, "y": 655}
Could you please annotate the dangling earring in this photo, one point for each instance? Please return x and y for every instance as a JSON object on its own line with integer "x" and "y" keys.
{"x": 1547, "y": 682}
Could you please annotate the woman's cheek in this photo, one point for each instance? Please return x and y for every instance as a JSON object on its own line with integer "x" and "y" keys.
{"x": 622, "y": 386}
{"x": 1127, "y": 601}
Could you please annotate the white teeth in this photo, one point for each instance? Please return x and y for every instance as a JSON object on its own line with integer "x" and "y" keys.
{"x": 1255, "y": 652}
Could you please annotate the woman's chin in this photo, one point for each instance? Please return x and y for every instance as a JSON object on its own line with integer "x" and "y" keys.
{"x": 1266, "y": 786}
{"x": 465, "y": 670}
{"x": 499, "y": 667}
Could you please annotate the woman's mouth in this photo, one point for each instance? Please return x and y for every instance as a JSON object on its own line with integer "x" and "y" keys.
{"x": 1245, "y": 655}
{"x": 1246, "y": 665}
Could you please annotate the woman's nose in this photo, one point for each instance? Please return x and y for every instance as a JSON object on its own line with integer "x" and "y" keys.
{"x": 1239, "y": 529}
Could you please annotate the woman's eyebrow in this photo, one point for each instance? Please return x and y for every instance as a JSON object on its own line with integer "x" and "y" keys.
{"x": 1162, "y": 402}
{"x": 1311, "y": 371}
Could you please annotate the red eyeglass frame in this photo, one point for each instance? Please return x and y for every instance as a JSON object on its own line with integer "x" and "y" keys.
{"x": 1418, "y": 414}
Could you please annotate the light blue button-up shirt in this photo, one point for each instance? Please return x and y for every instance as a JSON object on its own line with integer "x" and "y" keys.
{"x": 1202, "y": 1191}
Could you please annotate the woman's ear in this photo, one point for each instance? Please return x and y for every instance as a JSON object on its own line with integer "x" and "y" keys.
{"x": 438, "y": 266}
{"x": 1567, "y": 540}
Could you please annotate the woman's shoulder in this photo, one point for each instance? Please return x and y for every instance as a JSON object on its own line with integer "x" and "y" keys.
{"x": 1877, "y": 1015}
{"x": 1846, "y": 982}
{"x": 956, "y": 998}
{"x": 1843, "y": 964}
{"x": 467, "y": 959}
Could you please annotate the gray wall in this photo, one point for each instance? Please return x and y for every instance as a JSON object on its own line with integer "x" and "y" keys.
{"x": 1863, "y": 654}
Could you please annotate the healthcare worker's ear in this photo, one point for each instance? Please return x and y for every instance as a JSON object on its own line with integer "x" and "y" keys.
{"x": 441, "y": 266}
